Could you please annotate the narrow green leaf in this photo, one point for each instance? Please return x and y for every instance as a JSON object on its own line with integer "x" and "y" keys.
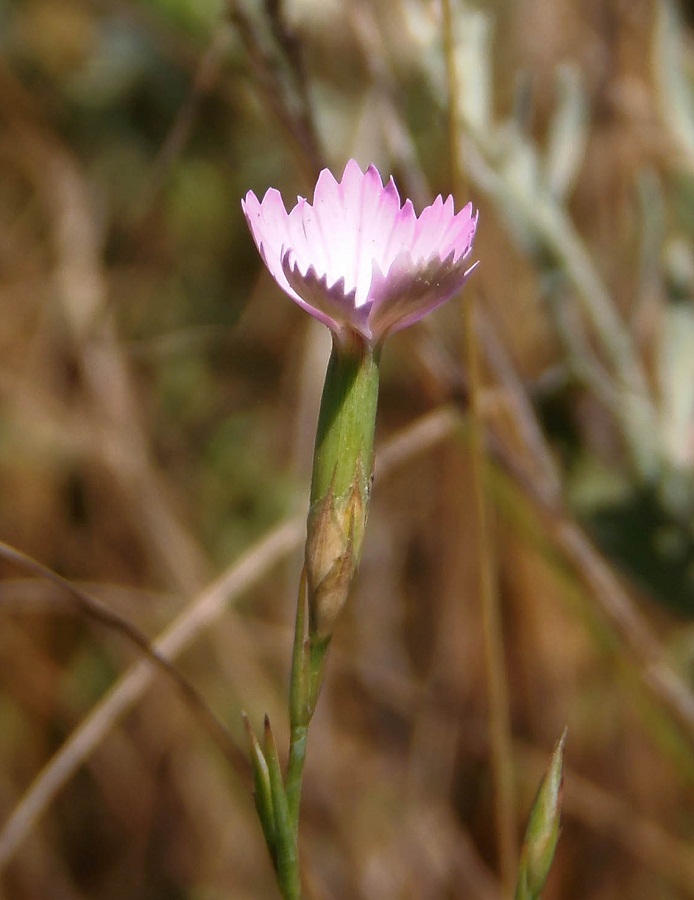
{"x": 287, "y": 860}
{"x": 543, "y": 830}
{"x": 298, "y": 697}
{"x": 262, "y": 792}
{"x": 568, "y": 132}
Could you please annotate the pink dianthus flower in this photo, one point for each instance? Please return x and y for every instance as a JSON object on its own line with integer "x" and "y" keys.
{"x": 358, "y": 260}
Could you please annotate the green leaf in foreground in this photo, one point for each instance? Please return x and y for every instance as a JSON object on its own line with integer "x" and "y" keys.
{"x": 543, "y": 830}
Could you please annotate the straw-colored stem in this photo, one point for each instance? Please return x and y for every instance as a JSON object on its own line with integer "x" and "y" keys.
{"x": 497, "y": 684}
{"x": 452, "y": 87}
{"x": 500, "y": 731}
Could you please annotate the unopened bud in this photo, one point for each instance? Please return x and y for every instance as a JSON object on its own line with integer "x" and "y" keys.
{"x": 333, "y": 551}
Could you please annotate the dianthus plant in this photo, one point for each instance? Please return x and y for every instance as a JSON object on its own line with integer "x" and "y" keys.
{"x": 366, "y": 266}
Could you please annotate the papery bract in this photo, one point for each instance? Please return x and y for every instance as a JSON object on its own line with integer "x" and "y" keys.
{"x": 358, "y": 260}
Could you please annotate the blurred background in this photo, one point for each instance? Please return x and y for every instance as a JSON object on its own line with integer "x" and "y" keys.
{"x": 158, "y": 405}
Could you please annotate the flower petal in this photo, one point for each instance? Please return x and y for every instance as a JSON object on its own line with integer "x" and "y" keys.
{"x": 339, "y": 211}
{"x": 400, "y": 236}
{"x": 331, "y": 304}
{"x": 439, "y": 231}
{"x": 408, "y": 293}
{"x": 268, "y": 223}
{"x": 460, "y": 234}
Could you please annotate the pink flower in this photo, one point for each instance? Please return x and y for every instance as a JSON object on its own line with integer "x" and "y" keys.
{"x": 356, "y": 259}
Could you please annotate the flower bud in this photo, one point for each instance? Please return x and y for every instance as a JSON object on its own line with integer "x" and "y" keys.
{"x": 333, "y": 550}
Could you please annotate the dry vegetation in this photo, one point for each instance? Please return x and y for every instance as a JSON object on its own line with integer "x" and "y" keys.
{"x": 159, "y": 399}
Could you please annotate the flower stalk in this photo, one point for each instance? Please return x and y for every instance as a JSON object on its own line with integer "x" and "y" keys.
{"x": 340, "y": 489}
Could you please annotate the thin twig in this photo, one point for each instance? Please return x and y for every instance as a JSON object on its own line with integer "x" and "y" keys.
{"x": 545, "y": 471}
{"x": 497, "y": 677}
{"x": 201, "y": 613}
{"x": 290, "y": 45}
{"x": 206, "y": 76}
{"x": 97, "y": 611}
{"x": 392, "y": 125}
{"x": 273, "y": 92}
{"x": 111, "y": 413}
{"x": 493, "y": 636}
{"x": 553, "y": 226}
{"x": 453, "y": 99}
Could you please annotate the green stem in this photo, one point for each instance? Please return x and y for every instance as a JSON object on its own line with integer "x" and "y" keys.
{"x": 341, "y": 484}
{"x": 295, "y": 772}
{"x": 340, "y": 490}
{"x": 308, "y": 664}
{"x": 347, "y": 419}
